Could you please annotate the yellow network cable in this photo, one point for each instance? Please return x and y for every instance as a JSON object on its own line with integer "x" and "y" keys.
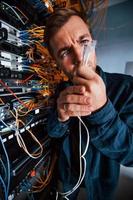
{"x": 43, "y": 181}
{"x": 21, "y": 141}
{"x": 30, "y": 54}
{"x": 30, "y": 104}
{"x": 42, "y": 49}
{"x": 37, "y": 33}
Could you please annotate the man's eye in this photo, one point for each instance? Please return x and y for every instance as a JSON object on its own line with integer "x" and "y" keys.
{"x": 65, "y": 53}
{"x": 85, "y": 42}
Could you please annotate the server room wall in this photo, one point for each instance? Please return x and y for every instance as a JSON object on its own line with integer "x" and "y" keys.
{"x": 27, "y": 161}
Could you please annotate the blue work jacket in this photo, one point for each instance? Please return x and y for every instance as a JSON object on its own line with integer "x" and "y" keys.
{"x": 111, "y": 139}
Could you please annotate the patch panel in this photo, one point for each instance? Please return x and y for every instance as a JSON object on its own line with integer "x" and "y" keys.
{"x": 10, "y": 60}
{"x": 27, "y": 153}
{"x": 11, "y": 33}
{"x": 11, "y": 29}
{"x": 5, "y": 46}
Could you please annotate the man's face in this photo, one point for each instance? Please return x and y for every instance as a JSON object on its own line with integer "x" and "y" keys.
{"x": 68, "y": 43}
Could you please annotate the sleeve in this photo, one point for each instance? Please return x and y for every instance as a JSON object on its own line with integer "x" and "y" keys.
{"x": 111, "y": 131}
{"x": 56, "y": 128}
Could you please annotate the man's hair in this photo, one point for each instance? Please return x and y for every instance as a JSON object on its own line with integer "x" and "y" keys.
{"x": 56, "y": 21}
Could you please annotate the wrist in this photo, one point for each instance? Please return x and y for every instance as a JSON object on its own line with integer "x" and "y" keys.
{"x": 63, "y": 119}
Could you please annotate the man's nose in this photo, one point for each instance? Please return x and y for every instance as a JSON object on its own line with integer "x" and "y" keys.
{"x": 77, "y": 54}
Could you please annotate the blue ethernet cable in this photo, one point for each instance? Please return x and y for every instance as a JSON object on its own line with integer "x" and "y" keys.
{"x": 4, "y": 168}
{"x": 4, "y": 186}
{"x": 8, "y": 169}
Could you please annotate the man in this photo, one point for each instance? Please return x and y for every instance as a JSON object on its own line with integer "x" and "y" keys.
{"x": 104, "y": 102}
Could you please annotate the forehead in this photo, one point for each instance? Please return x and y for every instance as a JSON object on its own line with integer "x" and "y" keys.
{"x": 72, "y": 30}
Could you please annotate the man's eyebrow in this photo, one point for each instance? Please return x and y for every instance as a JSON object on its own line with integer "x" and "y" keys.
{"x": 84, "y": 36}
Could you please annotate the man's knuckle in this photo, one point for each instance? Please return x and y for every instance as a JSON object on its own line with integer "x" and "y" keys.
{"x": 68, "y": 106}
{"x": 68, "y": 98}
{"x": 80, "y": 98}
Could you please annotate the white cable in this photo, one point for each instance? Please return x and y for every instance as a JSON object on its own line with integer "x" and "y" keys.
{"x": 82, "y": 171}
{"x": 80, "y": 164}
{"x": 88, "y": 138}
{"x": 57, "y": 194}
